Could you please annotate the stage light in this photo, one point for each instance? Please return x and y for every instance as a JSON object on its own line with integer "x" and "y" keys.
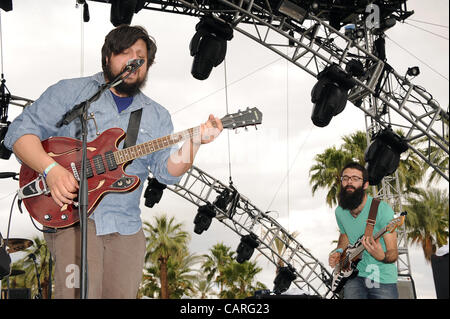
{"x": 315, "y": 7}
{"x": 4, "y": 152}
{"x": 355, "y": 68}
{"x": 283, "y": 280}
{"x": 349, "y": 30}
{"x": 330, "y": 94}
{"x": 224, "y": 198}
{"x": 209, "y": 46}
{"x": 5, "y": 97}
{"x": 86, "y": 16}
{"x": 153, "y": 192}
{"x": 385, "y": 24}
{"x": 6, "y": 5}
{"x": 204, "y": 217}
{"x": 122, "y": 11}
{"x": 413, "y": 71}
{"x": 246, "y": 247}
{"x": 379, "y": 48}
{"x": 353, "y": 33}
{"x": 292, "y": 10}
{"x": 382, "y": 157}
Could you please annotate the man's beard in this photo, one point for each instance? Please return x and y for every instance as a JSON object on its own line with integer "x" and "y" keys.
{"x": 128, "y": 89}
{"x": 352, "y": 200}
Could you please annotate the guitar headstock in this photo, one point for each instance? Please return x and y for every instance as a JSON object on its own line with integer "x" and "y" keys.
{"x": 245, "y": 118}
{"x": 396, "y": 222}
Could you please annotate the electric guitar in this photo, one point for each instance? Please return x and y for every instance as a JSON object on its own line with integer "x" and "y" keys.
{"x": 351, "y": 256}
{"x": 105, "y": 168}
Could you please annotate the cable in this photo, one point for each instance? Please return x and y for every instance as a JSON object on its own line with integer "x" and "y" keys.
{"x": 1, "y": 43}
{"x": 434, "y": 24}
{"x": 426, "y": 64}
{"x": 287, "y": 137}
{"x": 290, "y": 168}
{"x": 234, "y": 82}
{"x": 82, "y": 45}
{"x": 9, "y": 220}
{"x": 438, "y": 35}
{"x": 228, "y": 131}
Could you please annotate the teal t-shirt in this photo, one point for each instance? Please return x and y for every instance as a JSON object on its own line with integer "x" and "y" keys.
{"x": 354, "y": 228}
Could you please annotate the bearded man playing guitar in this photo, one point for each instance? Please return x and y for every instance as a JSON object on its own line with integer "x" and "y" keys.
{"x": 116, "y": 242}
{"x": 376, "y": 270}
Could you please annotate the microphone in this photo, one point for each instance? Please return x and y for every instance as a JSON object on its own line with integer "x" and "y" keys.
{"x": 134, "y": 64}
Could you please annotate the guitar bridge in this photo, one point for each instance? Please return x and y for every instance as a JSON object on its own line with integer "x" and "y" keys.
{"x": 75, "y": 171}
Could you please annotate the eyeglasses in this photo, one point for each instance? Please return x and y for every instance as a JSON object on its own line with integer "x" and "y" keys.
{"x": 354, "y": 179}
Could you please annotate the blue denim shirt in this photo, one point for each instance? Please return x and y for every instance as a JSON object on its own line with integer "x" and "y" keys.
{"x": 117, "y": 212}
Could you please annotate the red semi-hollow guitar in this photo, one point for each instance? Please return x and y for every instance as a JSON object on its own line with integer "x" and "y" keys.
{"x": 105, "y": 168}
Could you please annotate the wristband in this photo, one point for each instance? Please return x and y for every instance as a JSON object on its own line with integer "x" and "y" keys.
{"x": 47, "y": 170}
{"x": 337, "y": 250}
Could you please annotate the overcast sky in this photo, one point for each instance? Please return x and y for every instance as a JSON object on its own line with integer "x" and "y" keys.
{"x": 45, "y": 41}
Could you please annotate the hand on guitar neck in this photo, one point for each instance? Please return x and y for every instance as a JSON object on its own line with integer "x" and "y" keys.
{"x": 208, "y": 130}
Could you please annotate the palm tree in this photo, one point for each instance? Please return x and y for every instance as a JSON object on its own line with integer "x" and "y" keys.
{"x": 427, "y": 220}
{"x": 181, "y": 276}
{"x": 42, "y": 254}
{"x": 165, "y": 239}
{"x": 281, "y": 244}
{"x": 204, "y": 287}
{"x": 218, "y": 258}
{"x": 356, "y": 145}
{"x": 325, "y": 173}
{"x": 435, "y": 153}
{"x": 239, "y": 280}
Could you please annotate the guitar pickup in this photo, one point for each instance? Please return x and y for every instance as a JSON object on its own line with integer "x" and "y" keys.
{"x": 98, "y": 164}
{"x": 110, "y": 161}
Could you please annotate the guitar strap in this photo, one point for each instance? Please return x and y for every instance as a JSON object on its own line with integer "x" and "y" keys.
{"x": 371, "y": 220}
{"x": 133, "y": 128}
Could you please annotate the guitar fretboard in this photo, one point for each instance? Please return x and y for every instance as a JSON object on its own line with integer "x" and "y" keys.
{"x": 136, "y": 151}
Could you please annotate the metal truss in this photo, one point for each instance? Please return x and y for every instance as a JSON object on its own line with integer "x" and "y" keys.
{"x": 244, "y": 218}
{"x": 389, "y": 189}
{"x": 313, "y": 44}
{"x": 387, "y": 98}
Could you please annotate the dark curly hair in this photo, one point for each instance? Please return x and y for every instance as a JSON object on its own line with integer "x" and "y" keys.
{"x": 123, "y": 37}
{"x": 359, "y": 167}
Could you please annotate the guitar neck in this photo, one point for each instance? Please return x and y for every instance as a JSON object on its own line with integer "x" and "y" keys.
{"x": 136, "y": 151}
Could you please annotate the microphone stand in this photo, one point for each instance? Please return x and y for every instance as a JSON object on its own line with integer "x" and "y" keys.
{"x": 81, "y": 111}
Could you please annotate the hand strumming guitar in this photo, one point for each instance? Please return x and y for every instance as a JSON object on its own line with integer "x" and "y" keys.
{"x": 62, "y": 184}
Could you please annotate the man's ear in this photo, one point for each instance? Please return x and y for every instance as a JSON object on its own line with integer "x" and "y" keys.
{"x": 366, "y": 185}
